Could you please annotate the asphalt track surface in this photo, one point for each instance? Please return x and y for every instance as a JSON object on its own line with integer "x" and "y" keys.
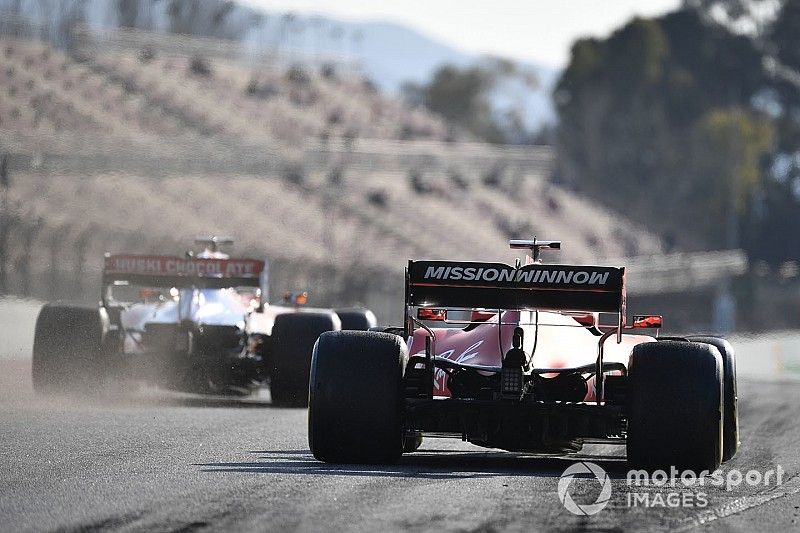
{"x": 156, "y": 461}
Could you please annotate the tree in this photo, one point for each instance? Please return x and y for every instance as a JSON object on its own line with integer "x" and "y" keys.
{"x": 663, "y": 108}
{"x": 783, "y": 46}
{"x": 740, "y": 16}
{"x": 725, "y": 168}
{"x": 221, "y": 19}
{"x": 128, "y": 13}
{"x": 460, "y": 96}
{"x": 778, "y": 207}
{"x": 784, "y": 34}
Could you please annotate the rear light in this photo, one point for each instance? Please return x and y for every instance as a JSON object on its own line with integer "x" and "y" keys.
{"x": 426, "y": 313}
{"x": 511, "y": 386}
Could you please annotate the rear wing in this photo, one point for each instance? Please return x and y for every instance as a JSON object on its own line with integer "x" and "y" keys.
{"x": 500, "y": 286}
{"x": 166, "y": 271}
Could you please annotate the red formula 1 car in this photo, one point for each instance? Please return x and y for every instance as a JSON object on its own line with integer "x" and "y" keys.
{"x": 515, "y": 357}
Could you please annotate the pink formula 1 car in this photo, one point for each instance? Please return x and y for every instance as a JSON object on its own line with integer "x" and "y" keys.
{"x": 201, "y": 323}
{"x": 515, "y": 357}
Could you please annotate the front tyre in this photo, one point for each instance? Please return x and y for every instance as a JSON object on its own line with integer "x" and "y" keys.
{"x": 675, "y": 406}
{"x": 730, "y": 429}
{"x": 355, "y": 397}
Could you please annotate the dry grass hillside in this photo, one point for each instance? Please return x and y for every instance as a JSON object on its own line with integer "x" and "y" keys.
{"x": 120, "y": 150}
{"x": 133, "y": 92}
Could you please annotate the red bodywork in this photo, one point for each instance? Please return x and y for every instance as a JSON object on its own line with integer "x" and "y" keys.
{"x": 563, "y": 342}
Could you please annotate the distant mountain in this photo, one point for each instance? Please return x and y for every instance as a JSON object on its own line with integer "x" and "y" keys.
{"x": 389, "y": 53}
{"x": 392, "y": 54}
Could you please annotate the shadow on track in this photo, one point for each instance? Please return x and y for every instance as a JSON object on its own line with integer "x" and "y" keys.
{"x": 424, "y": 464}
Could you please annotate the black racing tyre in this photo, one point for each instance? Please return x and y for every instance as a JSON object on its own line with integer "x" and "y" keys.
{"x": 68, "y": 352}
{"x": 730, "y": 428}
{"x": 355, "y": 406}
{"x": 675, "y": 406}
{"x": 357, "y": 319}
{"x": 293, "y": 338}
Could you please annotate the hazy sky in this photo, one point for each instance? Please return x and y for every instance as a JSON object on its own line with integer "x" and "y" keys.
{"x": 537, "y": 30}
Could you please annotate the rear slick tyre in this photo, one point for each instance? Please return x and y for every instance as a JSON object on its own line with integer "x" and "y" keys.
{"x": 675, "y": 406}
{"x": 357, "y": 319}
{"x": 67, "y": 349}
{"x": 355, "y": 406}
{"x": 293, "y": 338}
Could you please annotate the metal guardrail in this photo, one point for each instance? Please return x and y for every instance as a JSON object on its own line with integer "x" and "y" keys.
{"x": 680, "y": 272}
{"x": 206, "y": 155}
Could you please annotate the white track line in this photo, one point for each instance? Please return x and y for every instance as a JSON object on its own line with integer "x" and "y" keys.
{"x": 740, "y": 505}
